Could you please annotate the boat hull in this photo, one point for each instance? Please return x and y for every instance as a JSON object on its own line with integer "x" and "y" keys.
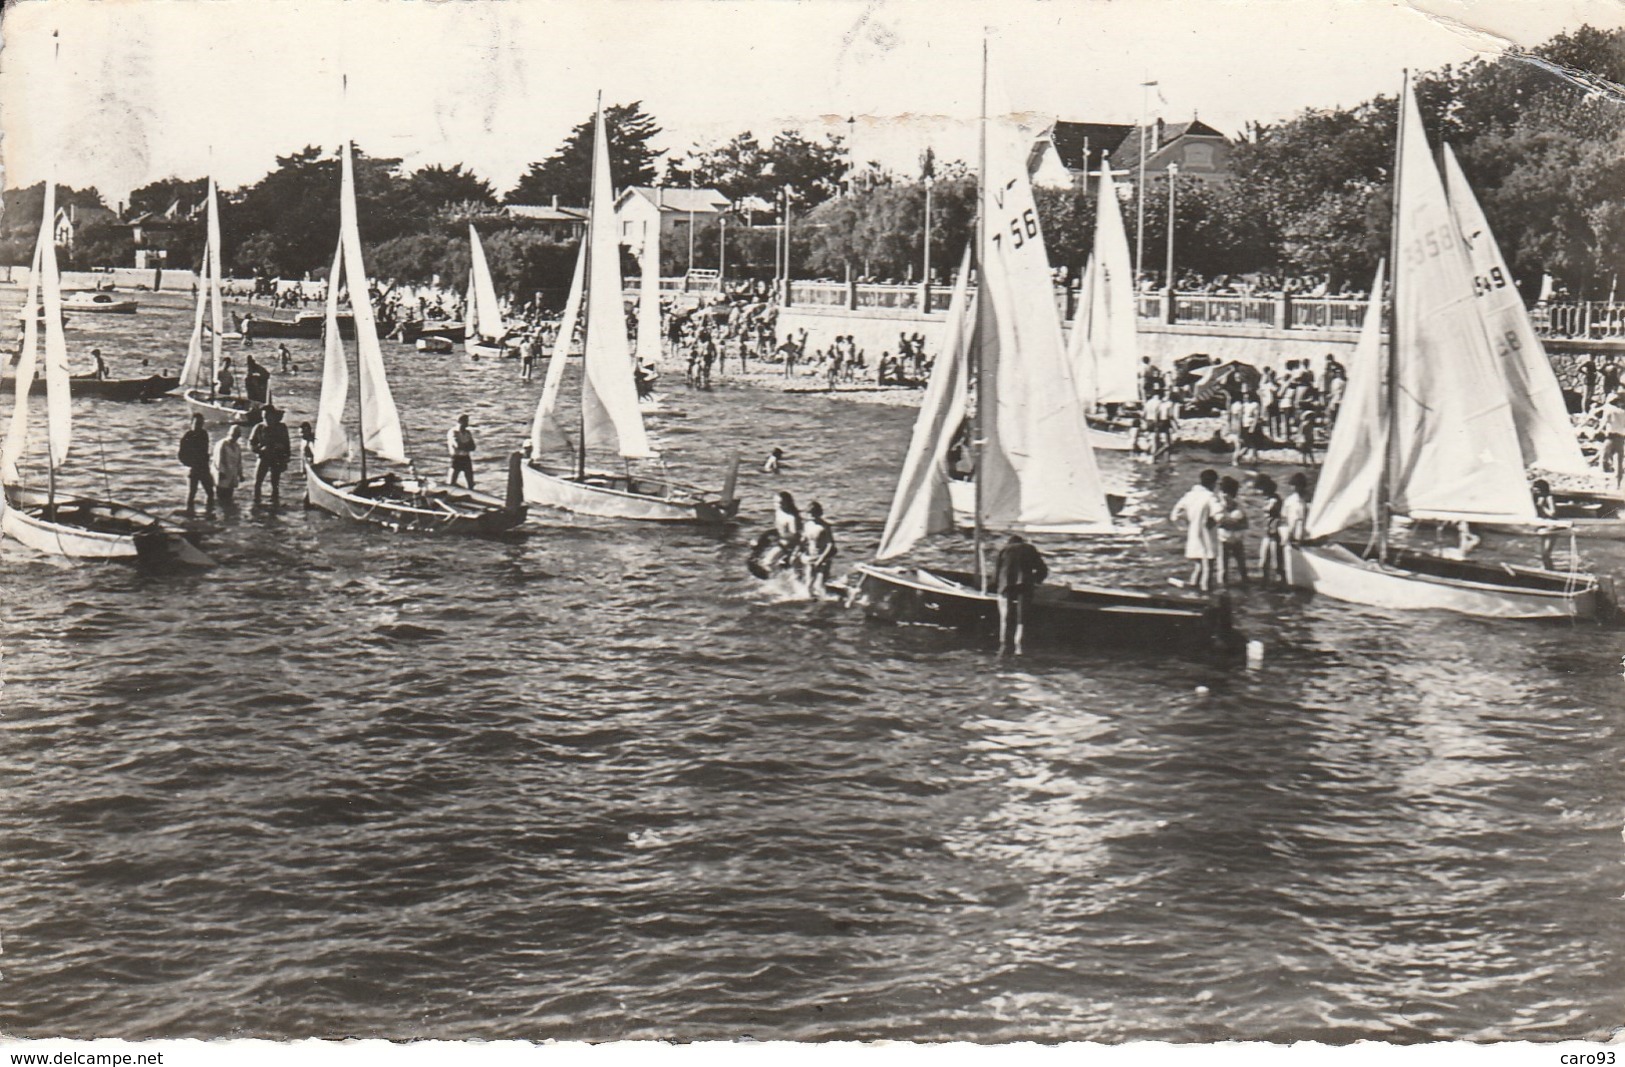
{"x": 1588, "y": 515}
{"x": 1081, "y": 616}
{"x": 89, "y": 529}
{"x": 1417, "y": 581}
{"x": 233, "y": 409}
{"x": 114, "y": 307}
{"x": 612, "y": 496}
{"x": 434, "y": 509}
{"x": 1110, "y": 436}
{"x": 88, "y": 385}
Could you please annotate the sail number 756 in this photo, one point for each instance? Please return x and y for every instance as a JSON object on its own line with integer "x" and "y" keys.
{"x": 1022, "y": 227}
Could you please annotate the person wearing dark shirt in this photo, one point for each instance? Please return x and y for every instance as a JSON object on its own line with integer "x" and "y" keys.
{"x": 270, "y": 443}
{"x": 1016, "y": 574}
{"x": 195, "y": 456}
{"x": 257, "y": 382}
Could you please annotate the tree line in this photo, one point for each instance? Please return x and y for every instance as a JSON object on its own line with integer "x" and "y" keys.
{"x": 1540, "y": 135}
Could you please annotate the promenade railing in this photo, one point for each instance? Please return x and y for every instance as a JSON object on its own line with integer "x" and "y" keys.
{"x": 1597, "y": 320}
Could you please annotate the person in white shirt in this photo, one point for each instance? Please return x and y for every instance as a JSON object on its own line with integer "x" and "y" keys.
{"x": 1613, "y": 427}
{"x": 1199, "y": 509}
{"x": 228, "y": 465}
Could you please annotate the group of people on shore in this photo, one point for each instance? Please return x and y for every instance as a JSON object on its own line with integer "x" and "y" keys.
{"x": 1285, "y": 409}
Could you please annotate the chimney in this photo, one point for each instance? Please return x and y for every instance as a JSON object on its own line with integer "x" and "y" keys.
{"x": 660, "y": 197}
{"x": 1156, "y": 141}
{"x": 555, "y": 201}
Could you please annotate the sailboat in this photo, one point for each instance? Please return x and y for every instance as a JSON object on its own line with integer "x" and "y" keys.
{"x": 1426, "y": 431}
{"x": 611, "y": 421}
{"x": 1545, "y": 431}
{"x": 385, "y": 499}
{"x": 197, "y": 378}
{"x": 57, "y": 523}
{"x": 484, "y": 330}
{"x": 1034, "y": 468}
{"x": 1103, "y": 346}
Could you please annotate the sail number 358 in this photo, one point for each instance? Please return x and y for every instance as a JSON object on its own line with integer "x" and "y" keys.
{"x": 1022, "y": 227}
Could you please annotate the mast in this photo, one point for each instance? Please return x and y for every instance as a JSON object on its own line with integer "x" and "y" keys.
{"x": 586, "y": 287}
{"x": 1390, "y": 365}
{"x": 979, "y": 421}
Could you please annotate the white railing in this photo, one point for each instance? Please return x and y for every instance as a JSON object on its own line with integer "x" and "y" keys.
{"x": 819, "y": 294}
{"x": 1325, "y": 313}
{"x": 1209, "y": 310}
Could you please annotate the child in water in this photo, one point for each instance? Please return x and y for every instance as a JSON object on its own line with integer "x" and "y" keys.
{"x": 1232, "y": 525}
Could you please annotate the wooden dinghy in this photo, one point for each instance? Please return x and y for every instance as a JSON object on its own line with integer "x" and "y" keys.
{"x": 86, "y": 528}
{"x": 415, "y": 504}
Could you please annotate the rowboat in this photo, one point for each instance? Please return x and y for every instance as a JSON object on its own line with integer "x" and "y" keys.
{"x": 581, "y": 479}
{"x": 1427, "y": 431}
{"x": 47, "y": 520}
{"x": 382, "y": 497}
{"x": 100, "y": 304}
{"x": 151, "y": 387}
{"x": 1034, "y": 468}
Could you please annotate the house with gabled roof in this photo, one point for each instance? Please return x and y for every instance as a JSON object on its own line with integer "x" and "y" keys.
{"x": 672, "y": 209}
{"x": 1065, "y": 152}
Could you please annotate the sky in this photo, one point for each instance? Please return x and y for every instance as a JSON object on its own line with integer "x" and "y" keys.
{"x": 148, "y": 89}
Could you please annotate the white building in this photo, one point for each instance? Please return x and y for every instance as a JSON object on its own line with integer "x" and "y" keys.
{"x": 674, "y": 210}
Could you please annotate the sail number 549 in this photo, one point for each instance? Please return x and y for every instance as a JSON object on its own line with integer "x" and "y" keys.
{"x": 1022, "y": 227}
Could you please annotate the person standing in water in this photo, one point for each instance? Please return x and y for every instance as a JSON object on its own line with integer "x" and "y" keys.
{"x": 818, "y": 547}
{"x": 1232, "y": 524}
{"x": 194, "y": 456}
{"x": 787, "y": 525}
{"x": 270, "y": 443}
{"x": 228, "y": 465}
{"x": 1017, "y": 574}
{"x": 1199, "y": 508}
{"x": 1271, "y": 553}
{"x": 460, "y": 444}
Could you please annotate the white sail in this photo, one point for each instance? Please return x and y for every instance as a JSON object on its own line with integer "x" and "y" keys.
{"x": 610, "y": 416}
{"x": 486, "y": 324}
{"x": 1455, "y": 448}
{"x": 58, "y": 400}
{"x": 380, "y": 421}
{"x": 17, "y": 430}
{"x": 192, "y": 369}
{"x": 921, "y": 506}
{"x": 212, "y": 258}
{"x": 1345, "y": 494}
{"x": 1037, "y": 469}
{"x": 1545, "y": 432}
{"x": 471, "y": 316}
{"x": 330, "y": 439}
{"x": 649, "y": 297}
{"x": 1104, "y": 334}
{"x": 544, "y": 428}
{"x": 1078, "y": 350}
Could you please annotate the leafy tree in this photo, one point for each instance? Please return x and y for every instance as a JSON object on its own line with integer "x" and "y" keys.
{"x": 567, "y": 173}
{"x": 290, "y": 218}
{"x": 157, "y": 197}
{"x": 744, "y": 167}
{"x": 435, "y": 187}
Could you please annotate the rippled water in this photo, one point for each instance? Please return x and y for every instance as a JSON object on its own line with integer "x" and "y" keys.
{"x": 592, "y": 783}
